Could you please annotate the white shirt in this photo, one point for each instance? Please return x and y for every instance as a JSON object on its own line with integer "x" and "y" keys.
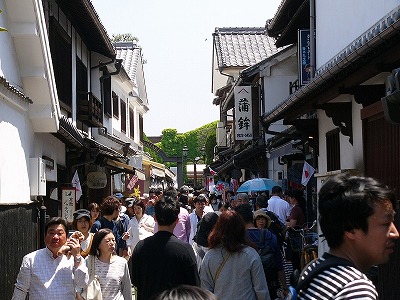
{"x": 140, "y": 230}
{"x": 193, "y": 225}
{"x": 45, "y": 277}
{"x": 280, "y": 207}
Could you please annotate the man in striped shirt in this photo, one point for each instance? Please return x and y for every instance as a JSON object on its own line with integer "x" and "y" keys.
{"x": 356, "y": 216}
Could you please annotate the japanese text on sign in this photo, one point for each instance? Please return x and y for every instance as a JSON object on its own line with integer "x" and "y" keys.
{"x": 243, "y": 113}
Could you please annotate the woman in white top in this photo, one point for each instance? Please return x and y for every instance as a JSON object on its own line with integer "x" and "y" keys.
{"x": 111, "y": 269}
{"x": 141, "y": 226}
{"x": 82, "y": 223}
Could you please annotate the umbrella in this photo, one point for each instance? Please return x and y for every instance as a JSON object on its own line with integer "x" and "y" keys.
{"x": 257, "y": 185}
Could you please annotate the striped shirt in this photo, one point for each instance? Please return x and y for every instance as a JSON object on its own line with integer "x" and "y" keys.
{"x": 338, "y": 282}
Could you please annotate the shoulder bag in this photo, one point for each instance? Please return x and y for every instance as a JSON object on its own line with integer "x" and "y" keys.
{"x": 93, "y": 289}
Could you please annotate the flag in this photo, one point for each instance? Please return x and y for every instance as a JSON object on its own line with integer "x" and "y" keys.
{"x": 132, "y": 181}
{"x": 77, "y": 185}
{"x": 308, "y": 171}
{"x": 212, "y": 172}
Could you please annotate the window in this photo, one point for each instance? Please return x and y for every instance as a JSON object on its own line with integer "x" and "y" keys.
{"x": 115, "y": 105}
{"x": 333, "y": 150}
{"x": 107, "y": 96}
{"x": 61, "y": 52}
{"x": 141, "y": 127}
{"x": 81, "y": 77}
{"x": 123, "y": 116}
{"x": 131, "y": 124}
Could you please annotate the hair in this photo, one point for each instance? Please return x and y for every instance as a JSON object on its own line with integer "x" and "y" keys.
{"x": 152, "y": 190}
{"x": 346, "y": 202}
{"x": 226, "y": 205}
{"x": 276, "y": 189}
{"x": 94, "y": 206}
{"x": 244, "y": 196}
{"x": 185, "y": 292}
{"x": 139, "y": 202}
{"x": 75, "y": 221}
{"x": 97, "y": 238}
{"x": 245, "y": 211}
{"x": 262, "y": 201}
{"x": 229, "y": 232}
{"x": 166, "y": 211}
{"x": 171, "y": 192}
{"x": 56, "y": 221}
{"x": 200, "y": 198}
{"x": 109, "y": 205}
{"x": 298, "y": 195}
{"x": 159, "y": 191}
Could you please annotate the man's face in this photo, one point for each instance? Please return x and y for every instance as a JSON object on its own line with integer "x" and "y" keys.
{"x": 55, "y": 237}
{"x": 199, "y": 206}
{"x": 378, "y": 243}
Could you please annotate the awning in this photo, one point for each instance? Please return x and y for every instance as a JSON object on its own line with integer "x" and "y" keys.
{"x": 69, "y": 134}
{"x": 119, "y": 166}
{"x": 140, "y": 174}
{"x": 157, "y": 172}
{"x": 170, "y": 174}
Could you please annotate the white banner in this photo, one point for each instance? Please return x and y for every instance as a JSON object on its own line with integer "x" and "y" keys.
{"x": 243, "y": 113}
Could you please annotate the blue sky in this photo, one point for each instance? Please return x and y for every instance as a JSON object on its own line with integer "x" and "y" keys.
{"x": 176, "y": 38}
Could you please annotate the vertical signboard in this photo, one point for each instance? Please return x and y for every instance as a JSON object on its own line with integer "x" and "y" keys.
{"x": 304, "y": 56}
{"x": 243, "y": 113}
{"x": 68, "y": 198}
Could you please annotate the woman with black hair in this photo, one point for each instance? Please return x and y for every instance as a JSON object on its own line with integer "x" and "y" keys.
{"x": 111, "y": 269}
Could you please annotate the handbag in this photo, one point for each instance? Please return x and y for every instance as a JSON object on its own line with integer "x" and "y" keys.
{"x": 93, "y": 289}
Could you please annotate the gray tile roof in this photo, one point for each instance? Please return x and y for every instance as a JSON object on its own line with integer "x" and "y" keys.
{"x": 242, "y": 46}
{"x": 129, "y": 52}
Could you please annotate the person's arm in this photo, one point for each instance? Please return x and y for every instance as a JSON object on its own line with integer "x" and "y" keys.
{"x": 80, "y": 270}
{"x": 149, "y": 224}
{"x": 23, "y": 280}
{"x": 258, "y": 278}
{"x": 187, "y": 227}
{"x": 282, "y": 280}
{"x": 206, "y": 279}
{"x": 126, "y": 287}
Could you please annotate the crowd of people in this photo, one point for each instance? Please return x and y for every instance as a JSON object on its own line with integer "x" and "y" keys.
{"x": 185, "y": 242}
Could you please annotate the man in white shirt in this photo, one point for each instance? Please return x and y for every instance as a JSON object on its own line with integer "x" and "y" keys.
{"x": 45, "y": 274}
{"x": 279, "y": 206}
{"x": 199, "y": 203}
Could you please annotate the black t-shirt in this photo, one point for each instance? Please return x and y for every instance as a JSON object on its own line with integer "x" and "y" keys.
{"x": 161, "y": 262}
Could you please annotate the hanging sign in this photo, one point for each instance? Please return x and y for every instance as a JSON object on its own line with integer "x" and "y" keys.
{"x": 304, "y": 56}
{"x": 243, "y": 113}
{"x": 68, "y": 196}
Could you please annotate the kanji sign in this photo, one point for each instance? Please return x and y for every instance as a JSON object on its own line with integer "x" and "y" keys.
{"x": 68, "y": 196}
{"x": 243, "y": 113}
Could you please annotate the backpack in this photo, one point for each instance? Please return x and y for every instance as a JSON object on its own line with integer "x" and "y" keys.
{"x": 298, "y": 284}
{"x": 267, "y": 256}
{"x": 277, "y": 227}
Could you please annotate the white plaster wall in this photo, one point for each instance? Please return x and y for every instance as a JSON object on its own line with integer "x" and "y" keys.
{"x": 340, "y": 22}
{"x": 17, "y": 137}
{"x": 47, "y": 144}
{"x": 8, "y": 57}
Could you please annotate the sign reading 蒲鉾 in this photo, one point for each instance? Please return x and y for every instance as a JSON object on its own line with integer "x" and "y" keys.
{"x": 243, "y": 113}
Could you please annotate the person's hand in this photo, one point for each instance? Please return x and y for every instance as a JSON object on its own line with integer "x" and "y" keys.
{"x": 126, "y": 235}
{"x": 75, "y": 247}
{"x": 285, "y": 291}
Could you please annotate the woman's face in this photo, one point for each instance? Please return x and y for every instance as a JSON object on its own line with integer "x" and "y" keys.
{"x": 107, "y": 244}
{"x": 292, "y": 200}
{"x": 261, "y": 222}
{"x": 138, "y": 210}
{"x": 94, "y": 213}
{"x": 82, "y": 225}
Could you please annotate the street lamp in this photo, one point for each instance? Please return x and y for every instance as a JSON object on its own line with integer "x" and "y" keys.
{"x": 195, "y": 171}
